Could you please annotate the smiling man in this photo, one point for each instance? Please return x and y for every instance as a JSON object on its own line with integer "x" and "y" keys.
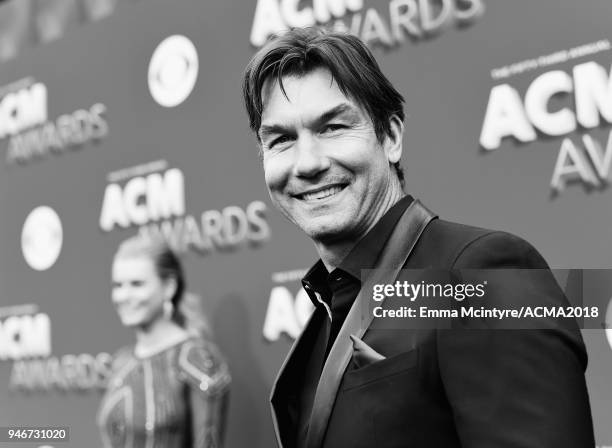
{"x": 326, "y": 168}
{"x": 330, "y": 128}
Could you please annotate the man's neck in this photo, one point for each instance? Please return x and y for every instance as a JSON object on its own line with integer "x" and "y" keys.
{"x": 332, "y": 254}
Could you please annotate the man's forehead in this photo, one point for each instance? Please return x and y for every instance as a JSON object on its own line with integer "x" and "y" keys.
{"x": 316, "y": 91}
{"x": 322, "y": 73}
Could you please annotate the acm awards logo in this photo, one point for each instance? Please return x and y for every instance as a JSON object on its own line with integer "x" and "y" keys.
{"x": 397, "y": 22}
{"x": 152, "y": 197}
{"x": 557, "y": 103}
{"x": 173, "y": 71}
{"x": 32, "y": 135}
{"x": 25, "y": 339}
{"x": 41, "y": 238}
{"x": 25, "y": 336}
{"x": 287, "y": 312}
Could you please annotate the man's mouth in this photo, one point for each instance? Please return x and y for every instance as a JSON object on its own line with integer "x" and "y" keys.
{"x": 322, "y": 193}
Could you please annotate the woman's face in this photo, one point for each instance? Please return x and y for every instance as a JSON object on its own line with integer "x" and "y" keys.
{"x": 138, "y": 292}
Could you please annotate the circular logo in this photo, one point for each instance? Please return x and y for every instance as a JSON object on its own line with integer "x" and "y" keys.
{"x": 173, "y": 71}
{"x": 41, "y": 238}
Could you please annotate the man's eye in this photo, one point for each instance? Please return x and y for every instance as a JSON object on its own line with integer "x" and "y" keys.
{"x": 279, "y": 140}
{"x": 332, "y": 128}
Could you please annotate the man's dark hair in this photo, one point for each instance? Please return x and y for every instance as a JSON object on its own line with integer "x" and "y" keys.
{"x": 351, "y": 64}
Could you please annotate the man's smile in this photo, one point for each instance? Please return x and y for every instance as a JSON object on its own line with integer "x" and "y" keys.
{"x": 317, "y": 194}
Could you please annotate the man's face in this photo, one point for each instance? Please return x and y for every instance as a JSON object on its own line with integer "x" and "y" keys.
{"x": 324, "y": 167}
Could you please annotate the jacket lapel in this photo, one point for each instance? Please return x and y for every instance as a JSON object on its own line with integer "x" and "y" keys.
{"x": 293, "y": 363}
{"x": 399, "y": 246}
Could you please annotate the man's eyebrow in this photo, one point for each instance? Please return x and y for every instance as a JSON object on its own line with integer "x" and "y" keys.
{"x": 273, "y": 129}
{"x": 339, "y": 110}
{"x": 336, "y": 111}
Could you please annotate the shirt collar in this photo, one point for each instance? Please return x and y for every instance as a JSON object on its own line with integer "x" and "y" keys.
{"x": 364, "y": 255}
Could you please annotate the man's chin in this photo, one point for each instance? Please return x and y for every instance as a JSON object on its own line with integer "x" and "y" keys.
{"x": 325, "y": 234}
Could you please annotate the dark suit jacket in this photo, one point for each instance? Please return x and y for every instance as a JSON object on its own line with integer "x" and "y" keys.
{"x": 456, "y": 388}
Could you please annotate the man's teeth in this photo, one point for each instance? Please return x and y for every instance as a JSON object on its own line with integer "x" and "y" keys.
{"x": 322, "y": 194}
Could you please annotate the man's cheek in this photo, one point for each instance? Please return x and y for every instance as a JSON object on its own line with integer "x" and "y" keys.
{"x": 275, "y": 174}
{"x": 275, "y": 190}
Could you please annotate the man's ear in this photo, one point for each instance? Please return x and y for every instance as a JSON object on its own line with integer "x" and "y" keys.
{"x": 393, "y": 140}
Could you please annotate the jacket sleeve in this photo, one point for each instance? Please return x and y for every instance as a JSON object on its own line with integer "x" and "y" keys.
{"x": 208, "y": 379}
{"x": 521, "y": 388}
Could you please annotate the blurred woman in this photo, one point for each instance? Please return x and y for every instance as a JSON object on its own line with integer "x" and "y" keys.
{"x": 170, "y": 389}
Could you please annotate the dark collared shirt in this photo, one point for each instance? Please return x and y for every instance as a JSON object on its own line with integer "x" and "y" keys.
{"x": 336, "y": 292}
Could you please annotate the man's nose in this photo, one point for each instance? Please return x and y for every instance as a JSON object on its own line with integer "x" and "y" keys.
{"x": 310, "y": 157}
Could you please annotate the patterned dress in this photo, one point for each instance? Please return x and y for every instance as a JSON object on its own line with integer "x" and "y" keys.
{"x": 176, "y": 398}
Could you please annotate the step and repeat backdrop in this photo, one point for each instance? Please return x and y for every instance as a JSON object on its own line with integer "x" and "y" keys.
{"x": 133, "y": 122}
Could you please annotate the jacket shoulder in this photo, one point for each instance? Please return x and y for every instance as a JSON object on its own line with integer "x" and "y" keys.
{"x": 450, "y": 244}
{"x": 202, "y": 366}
